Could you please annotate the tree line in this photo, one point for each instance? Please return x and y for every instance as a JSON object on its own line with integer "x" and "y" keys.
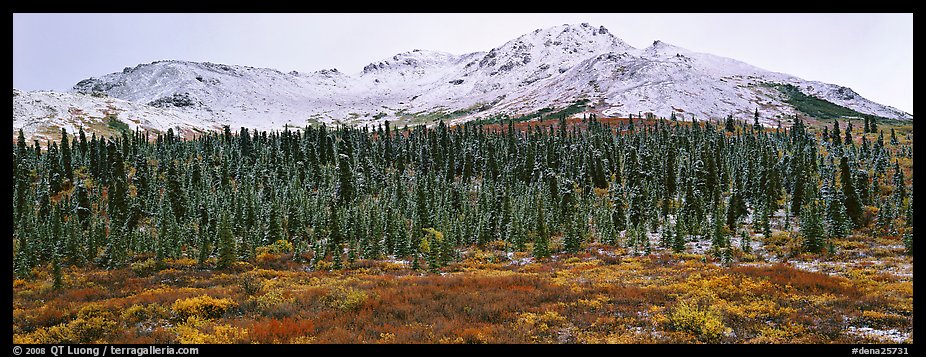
{"x": 425, "y": 193}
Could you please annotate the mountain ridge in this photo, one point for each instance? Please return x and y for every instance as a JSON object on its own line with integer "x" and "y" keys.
{"x": 547, "y": 68}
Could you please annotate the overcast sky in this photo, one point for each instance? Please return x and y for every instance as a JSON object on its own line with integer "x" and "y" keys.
{"x": 870, "y": 53}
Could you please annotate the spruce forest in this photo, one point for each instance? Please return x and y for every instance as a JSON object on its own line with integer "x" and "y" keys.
{"x": 588, "y": 230}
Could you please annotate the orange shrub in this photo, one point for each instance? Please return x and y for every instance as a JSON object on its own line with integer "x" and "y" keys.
{"x": 280, "y": 331}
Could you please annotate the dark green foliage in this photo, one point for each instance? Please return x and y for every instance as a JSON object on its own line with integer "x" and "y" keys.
{"x": 541, "y": 236}
{"x": 114, "y": 123}
{"x": 851, "y": 200}
{"x": 872, "y": 124}
{"x": 848, "y": 139}
{"x": 56, "y": 272}
{"x": 226, "y": 241}
{"x": 755, "y": 121}
{"x": 720, "y": 241}
{"x": 678, "y": 241}
{"x": 814, "y": 106}
{"x": 745, "y": 242}
{"x": 812, "y": 230}
{"x": 348, "y": 193}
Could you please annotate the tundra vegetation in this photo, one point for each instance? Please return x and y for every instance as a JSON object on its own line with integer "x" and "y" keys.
{"x": 581, "y": 230}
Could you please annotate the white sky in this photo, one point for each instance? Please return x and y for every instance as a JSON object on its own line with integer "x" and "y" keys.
{"x": 870, "y": 53}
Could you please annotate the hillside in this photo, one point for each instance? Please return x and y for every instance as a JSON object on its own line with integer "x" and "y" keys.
{"x": 540, "y": 72}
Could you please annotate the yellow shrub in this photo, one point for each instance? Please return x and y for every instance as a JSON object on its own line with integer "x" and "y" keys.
{"x": 322, "y": 265}
{"x": 394, "y": 266}
{"x": 146, "y": 267}
{"x": 80, "y": 330}
{"x": 706, "y": 325}
{"x": 593, "y": 304}
{"x": 271, "y": 300}
{"x": 302, "y": 340}
{"x": 183, "y": 262}
{"x": 785, "y": 333}
{"x": 279, "y": 247}
{"x": 197, "y": 331}
{"x": 266, "y": 257}
{"x": 385, "y": 337}
{"x": 543, "y": 323}
{"x": 202, "y": 307}
{"x": 572, "y": 260}
{"x": 347, "y": 298}
{"x": 94, "y": 310}
{"x": 137, "y": 313}
{"x": 881, "y": 318}
{"x": 758, "y": 309}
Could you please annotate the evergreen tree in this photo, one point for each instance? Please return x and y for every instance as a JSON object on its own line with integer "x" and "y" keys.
{"x": 851, "y": 201}
{"x": 900, "y": 190}
{"x": 837, "y": 135}
{"x": 57, "y": 282}
{"x": 812, "y": 230}
{"x": 720, "y": 242}
{"x": 66, "y": 167}
{"x": 226, "y": 242}
{"x": 755, "y": 121}
{"x": 665, "y": 237}
{"x": 541, "y": 236}
{"x": 335, "y": 237}
{"x": 848, "y": 139}
{"x": 23, "y": 260}
{"x": 745, "y": 242}
{"x": 678, "y": 241}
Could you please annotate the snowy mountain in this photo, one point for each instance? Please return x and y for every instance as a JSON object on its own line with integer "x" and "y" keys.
{"x": 542, "y": 71}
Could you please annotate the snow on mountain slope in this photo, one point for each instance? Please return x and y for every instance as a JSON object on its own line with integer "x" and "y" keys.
{"x": 42, "y": 114}
{"x": 547, "y": 68}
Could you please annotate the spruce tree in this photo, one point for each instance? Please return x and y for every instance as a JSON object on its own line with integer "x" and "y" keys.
{"x": 848, "y": 139}
{"x": 678, "y": 241}
{"x": 23, "y": 260}
{"x": 851, "y": 201}
{"x": 812, "y": 230}
{"x": 541, "y": 236}
{"x": 837, "y": 135}
{"x": 745, "y": 242}
{"x": 66, "y": 167}
{"x": 226, "y": 241}
{"x": 755, "y": 121}
{"x": 665, "y": 236}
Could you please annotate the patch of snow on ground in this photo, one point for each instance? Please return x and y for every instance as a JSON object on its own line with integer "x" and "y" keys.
{"x": 892, "y": 334}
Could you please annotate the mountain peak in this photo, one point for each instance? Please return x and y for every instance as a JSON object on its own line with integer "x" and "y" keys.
{"x": 411, "y": 59}
{"x": 582, "y": 35}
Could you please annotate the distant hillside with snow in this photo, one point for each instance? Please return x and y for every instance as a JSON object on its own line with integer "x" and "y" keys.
{"x": 542, "y": 71}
